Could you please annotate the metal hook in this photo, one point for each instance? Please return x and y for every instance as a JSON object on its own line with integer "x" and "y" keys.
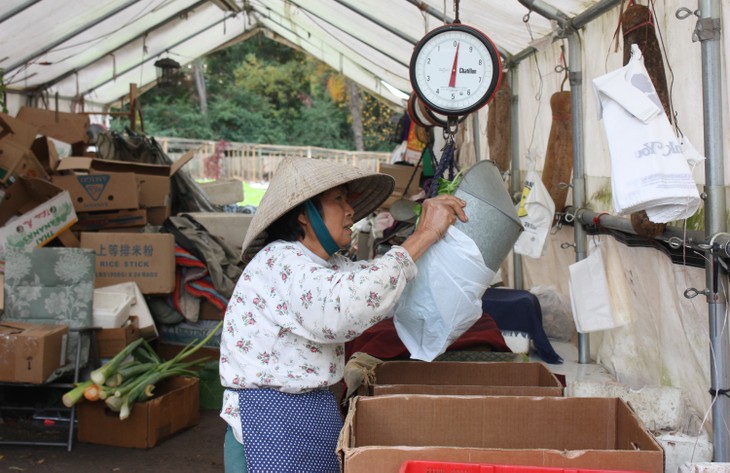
{"x": 567, "y": 245}
{"x": 675, "y": 243}
{"x": 564, "y": 185}
{"x": 569, "y": 217}
{"x": 683, "y": 13}
{"x": 691, "y": 293}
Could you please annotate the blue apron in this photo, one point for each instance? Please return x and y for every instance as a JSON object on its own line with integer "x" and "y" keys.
{"x": 285, "y": 432}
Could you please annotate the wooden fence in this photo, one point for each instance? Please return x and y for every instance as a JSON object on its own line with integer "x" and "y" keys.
{"x": 256, "y": 162}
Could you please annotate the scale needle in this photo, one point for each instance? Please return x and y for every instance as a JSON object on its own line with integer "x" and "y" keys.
{"x": 452, "y": 81}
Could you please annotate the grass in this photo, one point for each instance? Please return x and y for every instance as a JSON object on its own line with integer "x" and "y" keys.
{"x": 252, "y": 193}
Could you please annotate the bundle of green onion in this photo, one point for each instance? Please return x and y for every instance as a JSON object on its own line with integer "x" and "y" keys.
{"x": 132, "y": 374}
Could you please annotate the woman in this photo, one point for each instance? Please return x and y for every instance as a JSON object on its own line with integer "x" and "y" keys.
{"x": 297, "y": 303}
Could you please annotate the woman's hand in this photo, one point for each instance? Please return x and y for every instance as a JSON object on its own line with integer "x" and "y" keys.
{"x": 437, "y": 215}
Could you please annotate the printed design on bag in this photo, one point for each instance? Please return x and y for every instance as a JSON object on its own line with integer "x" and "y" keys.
{"x": 643, "y": 83}
{"x": 94, "y": 184}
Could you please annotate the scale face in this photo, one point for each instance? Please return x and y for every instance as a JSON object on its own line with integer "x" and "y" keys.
{"x": 455, "y": 69}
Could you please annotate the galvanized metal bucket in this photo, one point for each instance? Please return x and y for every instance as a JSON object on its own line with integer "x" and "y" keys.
{"x": 493, "y": 223}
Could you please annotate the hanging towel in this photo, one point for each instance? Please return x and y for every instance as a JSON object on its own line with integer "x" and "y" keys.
{"x": 649, "y": 170}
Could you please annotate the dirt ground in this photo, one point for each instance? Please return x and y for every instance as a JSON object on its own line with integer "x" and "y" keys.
{"x": 198, "y": 449}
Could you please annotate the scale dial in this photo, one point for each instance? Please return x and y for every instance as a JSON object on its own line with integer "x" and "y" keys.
{"x": 455, "y": 69}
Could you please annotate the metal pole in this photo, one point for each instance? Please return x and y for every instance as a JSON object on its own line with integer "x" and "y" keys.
{"x": 575, "y": 67}
{"x": 515, "y": 180}
{"x": 708, "y": 31}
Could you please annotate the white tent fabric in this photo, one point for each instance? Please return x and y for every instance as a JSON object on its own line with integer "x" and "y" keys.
{"x": 91, "y": 51}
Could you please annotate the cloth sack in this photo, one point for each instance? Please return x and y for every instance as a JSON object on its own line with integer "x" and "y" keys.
{"x": 445, "y": 297}
{"x": 649, "y": 170}
{"x": 536, "y": 211}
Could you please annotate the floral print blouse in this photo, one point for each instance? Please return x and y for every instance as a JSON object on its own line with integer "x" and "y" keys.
{"x": 291, "y": 313}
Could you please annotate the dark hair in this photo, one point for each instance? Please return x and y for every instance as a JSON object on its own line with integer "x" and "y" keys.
{"x": 287, "y": 227}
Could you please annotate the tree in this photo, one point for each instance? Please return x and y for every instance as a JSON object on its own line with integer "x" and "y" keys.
{"x": 260, "y": 91}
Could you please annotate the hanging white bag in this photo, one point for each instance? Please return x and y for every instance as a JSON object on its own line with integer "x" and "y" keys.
{"x": 536, "y": 211}
{"x": 649, "y": 170}
{"x": 445, "y": 298}
{"x": 596, "y": 304}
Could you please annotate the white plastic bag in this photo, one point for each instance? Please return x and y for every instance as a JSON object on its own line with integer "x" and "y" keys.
{"x": 594, "y": 301}
{"x": 445, "y": 298}
{"x": 536, "y": 211}
{"x": 649, "y": 170}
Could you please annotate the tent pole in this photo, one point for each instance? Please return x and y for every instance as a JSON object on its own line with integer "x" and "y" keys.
{"x": 575, "y": 68}
{"x": 515, "y": 180}
{"x": 708, "y": 31}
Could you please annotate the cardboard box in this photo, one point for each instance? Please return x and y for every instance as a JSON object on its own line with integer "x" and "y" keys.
{"x": 175, "y": 407}
{"x": 33, "y": 212}
{"x": 402, "y": 175}
{"x": 91, "y": 221}
{"x": 463, "y": 378}
{"x": 111, "y": 341}
{"x": 63, "y": 126}
{"x": 223, "y": 192}
{"x": 30, "y": 352}
{"x": 17, "y": 131}
{"x": 148, "y": 259}
{"x": 380, "y": 433}
{"x": 153, "y": 180}
{"x": 100, "y": 192}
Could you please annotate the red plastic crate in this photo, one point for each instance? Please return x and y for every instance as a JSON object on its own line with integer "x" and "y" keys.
{"x": 446, "y": 467}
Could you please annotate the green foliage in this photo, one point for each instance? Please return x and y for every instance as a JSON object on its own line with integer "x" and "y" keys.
{"x": 260, "y": 91}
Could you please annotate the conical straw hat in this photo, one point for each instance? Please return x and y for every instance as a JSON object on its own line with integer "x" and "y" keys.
{"x": 299, "y": 179}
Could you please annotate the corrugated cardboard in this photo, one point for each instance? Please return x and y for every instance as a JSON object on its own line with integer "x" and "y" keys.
{"x": 153, "y": 180}
{"x": 90, "y": 221}
{"x": 63, "y": 126}
{"x": 29, "y": 352}
{"x": 465, "y": 378}
{"x": 402, "y": 175}
{"x": 111, "y": 341}
{"x": 175, "y": 407}
{"x": 380, "y": 433}
{"x": 33, "y": 212}
{"x": 145, "y": 258}
{"x": 100, "y": 192}
{"x": 16, "y": 157}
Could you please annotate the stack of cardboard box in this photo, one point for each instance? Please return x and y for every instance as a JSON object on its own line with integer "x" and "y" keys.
{"x": 81, "y": 201}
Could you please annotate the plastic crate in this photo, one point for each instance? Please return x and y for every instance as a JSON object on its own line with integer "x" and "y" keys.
{"x": 447, "y": 467}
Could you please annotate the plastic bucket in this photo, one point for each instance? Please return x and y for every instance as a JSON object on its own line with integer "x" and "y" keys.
{"x": 493, "y": 223}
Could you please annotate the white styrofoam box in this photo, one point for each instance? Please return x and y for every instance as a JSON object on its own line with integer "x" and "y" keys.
{"x": 659, "y": 407}
{"x": 680, "y": 449}
{"x": 111, "y": 309}
{"x": 139, "y": 308}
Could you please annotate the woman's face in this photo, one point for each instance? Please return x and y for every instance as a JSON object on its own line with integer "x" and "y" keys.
{"x": 337, "y": 215}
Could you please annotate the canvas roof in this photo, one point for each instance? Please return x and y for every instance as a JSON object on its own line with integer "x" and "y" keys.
{"x": 94, "y": 50}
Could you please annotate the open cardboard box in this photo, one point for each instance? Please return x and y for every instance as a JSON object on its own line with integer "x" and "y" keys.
{"x": 382, "y": 432}
{"x": 153, "y": 180}
{"x": 111, "y": 341}
{"x": 402, "y": 175}
{"x": 463, "y": 378}
{"x": 175, "y": 407}
{"x": 16, "y": 156}
{"x": 32, "y": 213}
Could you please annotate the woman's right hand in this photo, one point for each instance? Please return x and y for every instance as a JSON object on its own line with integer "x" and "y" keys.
{"x": 437, "y": 215}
